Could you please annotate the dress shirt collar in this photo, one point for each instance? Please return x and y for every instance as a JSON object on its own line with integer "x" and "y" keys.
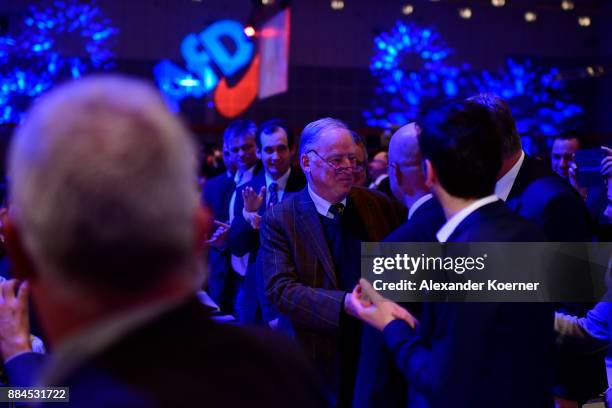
{"x": 452, "y": 224}
{"x": 504, "y": 184}
{"x": 281, "y": 182}
{"x": 321, "y": 204}
{"x": 417, "y": 204}
{"x": 244, "y": 177}
{"x": 374, "y": 185}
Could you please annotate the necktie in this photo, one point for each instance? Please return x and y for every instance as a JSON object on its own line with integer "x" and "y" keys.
{"x": 273, "y": 190}
{"x": 337, "y": 210}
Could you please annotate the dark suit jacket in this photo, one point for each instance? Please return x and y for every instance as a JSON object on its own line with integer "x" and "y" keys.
{"x": 379, "y": 381}
{"x": 183, "y": 359}
{"x": 554, "y": 205}
{"x": 550, "y": 202}
{"x": 479, "y": 354}
{"x": 244, "y": 239}
{"x": 385, "y": 187}
{"x": 217, "y": 195}
{"x": 299, "y": 273}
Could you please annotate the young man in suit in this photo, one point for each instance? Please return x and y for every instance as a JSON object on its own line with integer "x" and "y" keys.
{"x": 310, "y": 252}
{"x": 379, "y": 381}
{"x": 275, "y": 183}
{"x": 468, "y": 354}
{"x": 107, "y": 228}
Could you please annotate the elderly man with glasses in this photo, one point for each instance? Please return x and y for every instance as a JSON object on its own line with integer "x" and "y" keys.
{"x": 311, "y": 244}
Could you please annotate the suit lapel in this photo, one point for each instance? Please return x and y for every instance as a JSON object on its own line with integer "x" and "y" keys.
{"x": 309, "y": 223}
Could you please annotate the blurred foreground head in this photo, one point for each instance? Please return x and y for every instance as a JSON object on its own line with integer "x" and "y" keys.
{"x": 103, "y": 192}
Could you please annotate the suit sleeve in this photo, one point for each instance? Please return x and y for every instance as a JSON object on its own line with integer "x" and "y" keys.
{"x": 566, "y": 219}
{"x": 430, "y": 365}
{"x": 23, "y": 369}
{"x": 308, "y": 307}
{"x": 243, "y": 238}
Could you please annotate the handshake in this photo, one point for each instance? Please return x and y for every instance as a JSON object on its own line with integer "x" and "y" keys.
{"x": 366, "y": 304}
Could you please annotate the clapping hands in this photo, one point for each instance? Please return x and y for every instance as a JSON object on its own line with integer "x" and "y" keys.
{"x": 252, "y": 200}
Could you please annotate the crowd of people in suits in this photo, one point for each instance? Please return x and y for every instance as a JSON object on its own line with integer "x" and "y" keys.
{"x": 106, "y": 233}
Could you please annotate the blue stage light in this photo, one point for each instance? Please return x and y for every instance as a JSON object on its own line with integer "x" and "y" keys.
{"x": 31, "y": 62}
{"x": 535, "y": 94}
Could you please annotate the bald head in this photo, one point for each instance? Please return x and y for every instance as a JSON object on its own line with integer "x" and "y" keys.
{"x": 405, "y": 165}
{"x": 404, "y": 146}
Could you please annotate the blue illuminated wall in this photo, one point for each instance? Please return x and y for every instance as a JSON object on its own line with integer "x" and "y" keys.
{"x": 411, "y": 71}
{"x": 32, "y": 60}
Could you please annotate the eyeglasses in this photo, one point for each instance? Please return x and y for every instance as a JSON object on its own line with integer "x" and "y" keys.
{"x": 336, "y": 162}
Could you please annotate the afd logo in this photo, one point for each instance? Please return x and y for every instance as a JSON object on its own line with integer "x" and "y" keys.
{"x": 217, "y": 53}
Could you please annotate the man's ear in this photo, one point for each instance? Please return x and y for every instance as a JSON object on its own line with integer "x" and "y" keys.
{"x": 305, "y": 162}
{"x": 396, "y": 172}
{"x": 22, "y": 267}
{"x": 258, "y": 153}
{"x": 430, "y": 174}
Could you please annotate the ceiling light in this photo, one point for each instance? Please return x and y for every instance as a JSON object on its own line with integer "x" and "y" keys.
{"x": 407, "y": 9}
{"x": 567, "y": 5}
{"x": 337, "y": 4}
{"x": 249, "y": 31}
{"x": 584, "y": 21}
{"x": 498, "y": 3}
{"x": 530, "y": 16}
{"x": 465, "y": 13}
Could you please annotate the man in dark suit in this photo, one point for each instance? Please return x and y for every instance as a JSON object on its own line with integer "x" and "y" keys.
{"x": 310, "y": 251}
{"x": 111, "y": 249}
{"x": 227, "y": 271}
{"x": 533, "y": 191}
{"x": 468, "y": 354}
{"x": 379, "y": 381}
{"x": 277, "y": 182}
{"x": 217, "y": 194}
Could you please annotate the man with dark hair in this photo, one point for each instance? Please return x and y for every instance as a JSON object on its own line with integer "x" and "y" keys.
{"x": 468, "y": 354}
{"x": 377, "y": 169}
{"x": 531, "y": 190}
{"x": 268, "y": 188}
{"x": 310, "y": 245}
{"x": 562, "y": 153}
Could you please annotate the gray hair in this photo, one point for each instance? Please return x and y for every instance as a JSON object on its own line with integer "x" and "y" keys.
{"x": 311, "y": 133}
{"x": 103, "y": 186}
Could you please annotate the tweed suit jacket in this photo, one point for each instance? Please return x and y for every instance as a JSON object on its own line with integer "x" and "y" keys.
{"x": 298, "y": 270}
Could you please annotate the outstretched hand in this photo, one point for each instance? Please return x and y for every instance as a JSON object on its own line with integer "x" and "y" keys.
{"x": 252, "y": 200}
{"x": 14, "y": 319}
{"x": 366, "y": 304}
{"x": 219, "y": 238}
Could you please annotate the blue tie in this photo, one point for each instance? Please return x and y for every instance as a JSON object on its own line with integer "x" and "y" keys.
{"x": 273, "y": 190}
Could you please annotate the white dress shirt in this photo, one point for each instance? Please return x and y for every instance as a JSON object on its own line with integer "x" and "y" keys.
{"x": 281, "y": 185}
{"x": 418, "y": 203}
{"x": 450, "y": 226}
{"x": 321, "y": 204}
{"x": 374, "y": 185}
{"x": 504, "y": 184}
{"x": 240, "y": 263}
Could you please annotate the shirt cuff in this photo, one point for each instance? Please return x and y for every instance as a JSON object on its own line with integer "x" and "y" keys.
{"x": 396, "y": 332}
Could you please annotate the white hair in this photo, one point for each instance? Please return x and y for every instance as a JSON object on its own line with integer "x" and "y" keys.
{"x": 102, "y": 181}
{"x": 313, "y": 131}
